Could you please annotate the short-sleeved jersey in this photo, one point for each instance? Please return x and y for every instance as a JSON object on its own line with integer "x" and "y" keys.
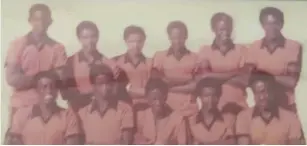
{"x": 279, "y": 129}
{"x": 29, "y": 125}
{"x": 137, "y": 74}
{"x": 171, "y": 129}
{"x": 78, "y": 73}
{"x": 33, "y": 59}
{"x": 182, "y": 68}
{"x": 215, "y": 131}
{"x": 276, "y": 62}
{"x": 107, "y": 127}
{"x": 213, "y": 60}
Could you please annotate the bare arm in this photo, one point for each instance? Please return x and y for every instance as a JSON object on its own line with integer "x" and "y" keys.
{"x": 292, "y": 73}
{"x": 136, "y": 92}
{"x": 16, "y": 78}
{"x": 187, "y": 88}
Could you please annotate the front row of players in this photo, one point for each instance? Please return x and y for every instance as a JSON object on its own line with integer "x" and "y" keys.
{"x": 109, "y": 120}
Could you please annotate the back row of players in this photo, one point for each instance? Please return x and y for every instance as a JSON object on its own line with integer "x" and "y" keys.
{"x": 177, "y": 97}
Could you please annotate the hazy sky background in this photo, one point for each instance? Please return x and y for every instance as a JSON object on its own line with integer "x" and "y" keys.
{"x": 113, "y": 16}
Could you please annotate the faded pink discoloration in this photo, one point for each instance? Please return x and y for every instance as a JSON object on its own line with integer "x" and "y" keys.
{"x": 106, "y": 129}
{"x": 183, "y": 70}
{"x": 33, "y": 60}
{"x": 81, "y": 71}
{"x": 137, "y": 75}
{"x": 169, "y": 130}
{"x": 275, "y": 63}
{"x": 279, "y": 131}
{"x": 218, "y": 132}
{"x": 33, "y": 130}
{"x": 233, "y": 60}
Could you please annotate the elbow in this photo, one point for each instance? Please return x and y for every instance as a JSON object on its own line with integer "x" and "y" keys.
{"x": 13, "y": 82}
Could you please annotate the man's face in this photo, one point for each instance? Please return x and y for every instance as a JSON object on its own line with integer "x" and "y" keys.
{"x": 208, "y": 97}
{"x": 47, "y": 90}
{"x": 103, "y": 86}
{"x": 88, "y": 39}
{"x": 177, "y": 38}
{"x": 222, "y": 31}
{"x": 39, "y": 22}
{"x": 261, "y": 95}
{"x": 157, "y": 100}
{"x": 135, "y": 43}
{"x": 272, "y": 27}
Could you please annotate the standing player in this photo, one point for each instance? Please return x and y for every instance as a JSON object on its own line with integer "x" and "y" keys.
{"x": 45, "y": 123}
{"x": 267, "y": 122}
{"x": 276, "y": 54}
{"x": 135, "y": 65}
{"x": 177, "y": 65}
{"x": 78, "y": 88}
{"x": 31, "y": 54}
{"x": 225, "y": 60}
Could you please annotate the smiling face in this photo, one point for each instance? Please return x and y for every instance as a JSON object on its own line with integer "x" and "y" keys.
{"x": 47, "y": 90}
{"x": 156, "y": 100}
{"x": 223, "y": 30}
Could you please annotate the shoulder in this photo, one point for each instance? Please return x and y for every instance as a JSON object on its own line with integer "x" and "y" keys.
{"x": 287, "y": 115}
{"x": 242, "y": 48}
{"x": 118, "y": 57}
{"x": 82, "y": 111}
{"x": 24, "y": 113}
{"x": 148, "y": 60}
{"x": 246, "y": 114}
{"x": 17, "y": 44}
{"x": 204, "y": 48}
{"x": 19, "y": 40}
{"x": 193, "y": 54}
{"x": 55, "y": 44}
{"x": 161, "y": 53}
{"x": 293, "y": 44}
{"x": 256, "y": 44}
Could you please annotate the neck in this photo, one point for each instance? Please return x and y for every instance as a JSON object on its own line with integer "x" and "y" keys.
{"x": 133, "y": 55}
{"x": 88, "y": 51}
{"x": 46, "y": 109}
{"x": 102, "y": 100}
{"x": 273, "y": 40}
{"x": 222, "y": 44}
{"x": 38, "y": 36}
{"x": 206, "y": 112}
{"x": 178, "y": 49}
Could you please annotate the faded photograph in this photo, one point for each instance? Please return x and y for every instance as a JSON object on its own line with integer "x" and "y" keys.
{"x": 153, "y": 73}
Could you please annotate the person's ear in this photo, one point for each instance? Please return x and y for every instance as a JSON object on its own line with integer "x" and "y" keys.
{"x": 50, "y": 22}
